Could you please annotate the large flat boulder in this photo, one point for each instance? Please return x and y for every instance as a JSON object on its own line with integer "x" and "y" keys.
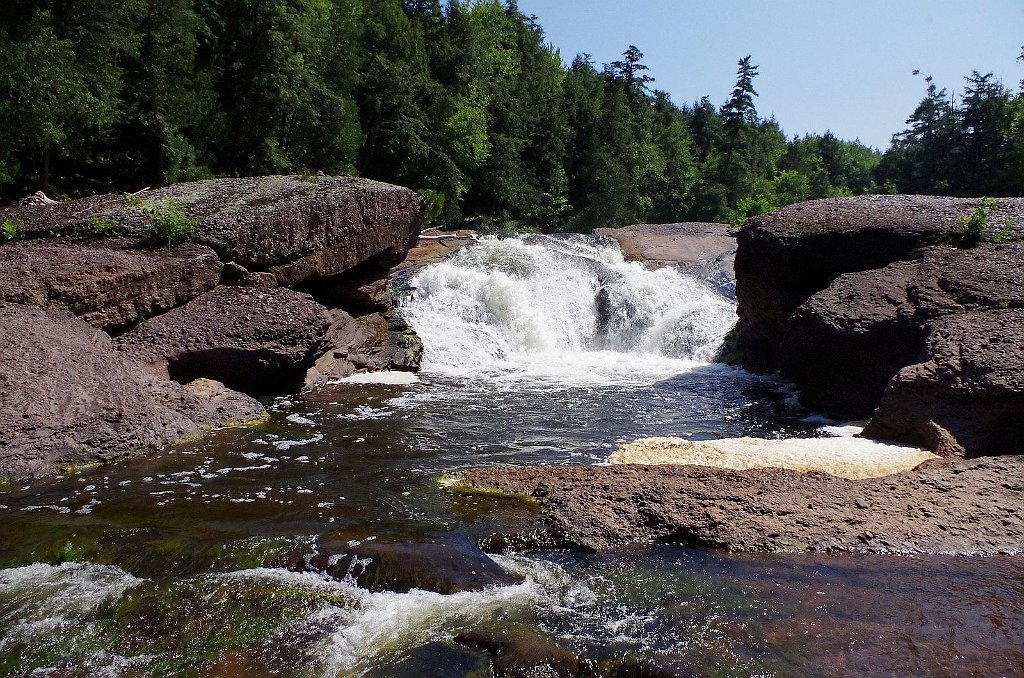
{"x": 786, "y": 256}
{"x": 966, "y": 397}
{"x": 111, "y": 283}
{"x": 68, "y": 397}
{"x": 944, "y": 506}
{"x": 255, "y": 340}
{"x": 293, "y": 227}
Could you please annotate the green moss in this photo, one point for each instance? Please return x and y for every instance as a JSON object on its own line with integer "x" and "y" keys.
{"x": 456, "y": 484}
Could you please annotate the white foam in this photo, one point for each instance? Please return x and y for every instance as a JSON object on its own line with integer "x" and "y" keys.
{"x": 563, "y": 312}
{"x": 394, "y": 378}
{"x": 847, "y": 457}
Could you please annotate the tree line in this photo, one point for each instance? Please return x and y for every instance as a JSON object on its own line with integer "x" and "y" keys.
{"x": 464, "y": 100}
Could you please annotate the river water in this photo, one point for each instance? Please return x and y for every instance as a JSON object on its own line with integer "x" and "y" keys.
{"x": 539, "y": 349}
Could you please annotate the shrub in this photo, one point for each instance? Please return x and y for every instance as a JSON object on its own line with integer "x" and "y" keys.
{"x": 9, "y": 230}
{"x": 168, "y": 224}
{"x": 433, "y": 204}
{"x": 973, "y": 226}
{"x": 101, "y": 226}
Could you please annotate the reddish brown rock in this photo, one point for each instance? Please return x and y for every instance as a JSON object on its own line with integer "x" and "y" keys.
{"x": 110, "y": 283}
{"x": 68, "y": 397}
{"x": 371, "y": 343}
{"x": 967, "y": 396}
{"x": 251, "y": 339}
{"x": 844, "y": 344}
{"x": 293, "y": 227}
{"x": 952, "y": 507}
{"x": 432, "y": 246}
{"x": 788, "y": 255}
{"x": 688, "y": 244}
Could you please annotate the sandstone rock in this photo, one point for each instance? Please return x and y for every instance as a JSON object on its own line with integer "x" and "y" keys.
{"x": 68, "y": 397}
{"x": 946, "y": 506}
{"x": 432, "y": 246}
{"x": 286, "y": 225}
{"x": 254, "y": 340}
{"x": 707, "y": 250}
{"x": 786, "y": 256}
{"x": 967, "y": 396}
{"x": 110, "y": 283}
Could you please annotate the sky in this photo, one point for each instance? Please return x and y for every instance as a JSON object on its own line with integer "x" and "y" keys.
{"x": 840, "y": 65}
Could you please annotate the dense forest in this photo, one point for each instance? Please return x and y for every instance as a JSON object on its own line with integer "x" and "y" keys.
{"x": 462, "y": 99}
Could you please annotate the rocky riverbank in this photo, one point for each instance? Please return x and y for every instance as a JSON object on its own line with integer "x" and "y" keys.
{"x": 120, "y": 343}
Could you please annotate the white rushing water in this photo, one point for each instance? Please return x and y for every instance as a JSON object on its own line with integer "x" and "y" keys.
{"x": 562, "y": 310}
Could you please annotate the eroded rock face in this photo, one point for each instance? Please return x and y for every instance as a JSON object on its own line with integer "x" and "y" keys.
{"x": 251, "y": 339}
{"x": 370, "y": 343}
{"x": 844, "y": 344}
{"x": 109, "y": 283}
{"x": 788, "y": 255}
{"x": 68, "y": 397}
{"x": 967, "y": 395}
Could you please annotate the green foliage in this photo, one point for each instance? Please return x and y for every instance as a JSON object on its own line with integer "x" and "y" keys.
{"x": 973, "y": 226}
{"x": 433, "y": 204}
{"x": 9, "y": 230}
{"x": 168, "y": 225}
{"x": 101, "y": 226}
{"x": 464, "y": 99}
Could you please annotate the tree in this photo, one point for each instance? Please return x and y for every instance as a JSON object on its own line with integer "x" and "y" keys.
{"x": 632, "y": 72}
{"x": 739, "y": 110}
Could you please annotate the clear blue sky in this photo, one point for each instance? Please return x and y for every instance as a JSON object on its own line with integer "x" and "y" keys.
{"x": 840, "y": 65}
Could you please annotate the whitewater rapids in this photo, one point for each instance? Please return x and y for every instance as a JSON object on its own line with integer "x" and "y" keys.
{"x": 568, "y": 310}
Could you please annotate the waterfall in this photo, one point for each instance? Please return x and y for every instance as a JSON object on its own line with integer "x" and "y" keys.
{"x": 566, "y": 309}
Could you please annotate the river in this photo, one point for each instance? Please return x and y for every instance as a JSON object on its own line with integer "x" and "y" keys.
{"x": 538, "y": 350}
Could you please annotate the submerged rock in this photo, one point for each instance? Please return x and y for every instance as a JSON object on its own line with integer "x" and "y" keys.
{"x": 439, "y": 566}
{"x": 520, "y": 653}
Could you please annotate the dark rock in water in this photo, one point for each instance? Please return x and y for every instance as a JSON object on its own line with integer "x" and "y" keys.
{"x": 646, "y": 668}
{"x": 444, "y": 567}
{"x": 253, "y": 340}
{"x": 293, "y": 227}
{"x": 436, "y": 660}
{"x": 111, "y": 284}
{"x": 844, "y": 344}
{"x": 785, "y": 256}
{"x": 967, "y": 395}
{"x": 520, "y": 653}
{"x": 68, "y": 397}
